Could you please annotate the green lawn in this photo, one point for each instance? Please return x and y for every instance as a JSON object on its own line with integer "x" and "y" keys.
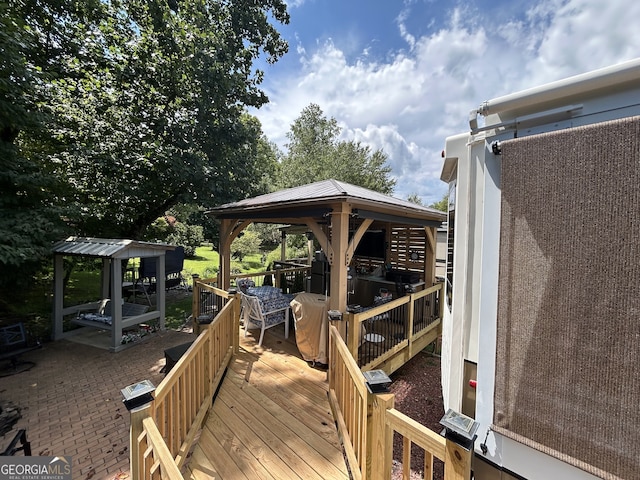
{"x": 205, "y": 263}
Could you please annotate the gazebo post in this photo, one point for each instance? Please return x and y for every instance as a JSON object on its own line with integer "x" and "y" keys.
{"x": 226, "y": 238}
{"x": 337, "y": 260}
{"x": 430, "y": 256}
{"x": 283, "y": 245}
{"x": 105, "y": 278}
{"x": 116, "y": 302}
{"x": 58, "y": 296}
{"x": 161, "y": 290}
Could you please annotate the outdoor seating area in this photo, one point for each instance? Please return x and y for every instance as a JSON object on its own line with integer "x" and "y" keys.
{"x": 103, "y": 316}
{"x": 343, "y": 299}
{"x": 252, "y": 404}
{"x": 99, "y": 314}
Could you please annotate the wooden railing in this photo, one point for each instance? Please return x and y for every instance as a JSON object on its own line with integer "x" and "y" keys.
{"x": 367, "y": 422}
{"x": 163, "y": 431}
{"x": 348, "y": 397}
{"x": 289, "y": 280}
{"x": 404, "y": 327}
{"x": 152, "y": 457}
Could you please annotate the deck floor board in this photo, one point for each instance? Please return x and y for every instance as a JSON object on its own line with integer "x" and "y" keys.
{"x": 271, "y": 419}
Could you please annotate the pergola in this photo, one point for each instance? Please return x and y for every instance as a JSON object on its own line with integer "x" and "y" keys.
{"x": 112, "y": 252}
{"x": 338, "y": 214}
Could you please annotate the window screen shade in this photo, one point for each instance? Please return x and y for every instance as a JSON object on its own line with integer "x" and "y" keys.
{"x": 568, "y": 336}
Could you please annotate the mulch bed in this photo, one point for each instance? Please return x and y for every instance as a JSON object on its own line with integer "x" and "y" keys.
{"x": 418, "y": 394}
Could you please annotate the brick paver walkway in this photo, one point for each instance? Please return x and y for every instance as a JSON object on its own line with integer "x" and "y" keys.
{"x": 71, "y": 402}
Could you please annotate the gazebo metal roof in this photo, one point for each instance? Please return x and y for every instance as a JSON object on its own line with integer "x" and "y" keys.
{"x": 316, "y": 199}
{"x": 109, "y": 248}
{"x": 338, "y": 214}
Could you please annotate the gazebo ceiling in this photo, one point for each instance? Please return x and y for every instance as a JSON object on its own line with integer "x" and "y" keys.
{"x": 317, "y": 200}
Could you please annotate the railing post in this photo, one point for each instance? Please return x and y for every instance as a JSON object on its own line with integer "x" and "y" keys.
{"x": 353, "y": 335}
{"x": 410, "y": 322}
{"x": 379, "y": 437}
{"x": 236, "y": 324}
{"x": 138, "y": 400}
{"x": 137, "y": 416}
{"x": 457, "y": 461}
{"x": 195, "y": 300}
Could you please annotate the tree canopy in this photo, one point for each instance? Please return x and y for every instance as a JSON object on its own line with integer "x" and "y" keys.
{"x": 114, "y": 111}
{"x": 316, "y": 153}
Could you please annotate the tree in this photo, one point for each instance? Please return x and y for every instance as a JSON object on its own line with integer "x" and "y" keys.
{"x": 113, "y": 112}
{"x": 171, "y": 127}
{"x": 414, "y": 198}
{"x": 245, "y": 244}
{"x": 442, "y": 204}
{"x": 315, "y": 153}
{"x": 30, "y": 218}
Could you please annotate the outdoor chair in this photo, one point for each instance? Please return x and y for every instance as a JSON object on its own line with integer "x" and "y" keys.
{"x": 253, "y": 315}
{"x": 15, "y": 342}
{"x": 147, "y": 277}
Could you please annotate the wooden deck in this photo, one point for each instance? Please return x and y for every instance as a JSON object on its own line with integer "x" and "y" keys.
{"x": 271, "y": 419}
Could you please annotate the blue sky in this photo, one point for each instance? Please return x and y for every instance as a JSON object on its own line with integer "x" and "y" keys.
{"x": 401, "y": 76}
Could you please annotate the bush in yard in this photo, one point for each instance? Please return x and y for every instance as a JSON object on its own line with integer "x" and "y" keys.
{"x": 167, "y": 229}
{"x": 188, "y": 236}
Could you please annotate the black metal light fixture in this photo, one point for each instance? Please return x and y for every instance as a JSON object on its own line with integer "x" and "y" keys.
{"x": 377, "y": 381}
{"x": 459, "y": 427}
{"x": 138, "y": 394}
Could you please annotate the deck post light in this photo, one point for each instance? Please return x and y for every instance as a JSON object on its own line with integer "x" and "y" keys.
{"x": 459, "y": 428}
{"x": 138, "y": 394}
{"x": 377, "y": 381}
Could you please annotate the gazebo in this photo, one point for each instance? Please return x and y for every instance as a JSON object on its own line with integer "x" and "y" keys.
{"x": 112, "y": 252}
{"x": 339, "y": 215}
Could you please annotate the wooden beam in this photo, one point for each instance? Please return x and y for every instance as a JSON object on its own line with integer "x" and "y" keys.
{"x": 430, "y": 256}
{"x": 229, "y": 231}
{"x": 339, "y": 242}
{"x": 357, "y": 236}
{"x": 320, "y": 236}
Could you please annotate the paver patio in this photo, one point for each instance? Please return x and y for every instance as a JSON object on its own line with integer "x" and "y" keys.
{"x": 71, "y": 402}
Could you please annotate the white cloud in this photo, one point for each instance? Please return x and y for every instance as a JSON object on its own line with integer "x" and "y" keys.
{"x": 583, "y": 35}
{"x": 294, "y": 3}
{"x": 408, "y": 104}
{"x": 404, "y": 33}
